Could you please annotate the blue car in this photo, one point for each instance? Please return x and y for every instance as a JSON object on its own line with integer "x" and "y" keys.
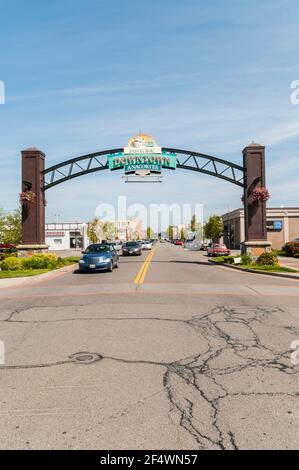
{"x": 99, "y": 257}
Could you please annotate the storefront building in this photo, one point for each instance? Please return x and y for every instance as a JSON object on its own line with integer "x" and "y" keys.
{"x": 64, "y": 236}
{"x": 129, "y": 229}
{"x": 282, "y": 226}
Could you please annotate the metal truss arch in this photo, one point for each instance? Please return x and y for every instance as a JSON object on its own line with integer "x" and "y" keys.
{"x": 186, "y": 160}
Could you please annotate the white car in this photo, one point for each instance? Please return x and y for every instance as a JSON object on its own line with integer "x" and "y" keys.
{"x": 194, "y": 245}
{"x": 117, "y": 246}
{"x": 147, "y": 245}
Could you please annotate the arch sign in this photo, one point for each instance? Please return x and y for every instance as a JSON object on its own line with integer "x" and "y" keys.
{"x": 142, "y": 156}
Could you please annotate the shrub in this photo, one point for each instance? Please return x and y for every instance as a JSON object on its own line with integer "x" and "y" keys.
{"x": 228, "y": 259}
{"x": 11, "y": 263}
{"x": 60, "y": 262}
{"x": 67, "y": 261}
{"x": 7, "y": 255}
{"x": 296, "y": 255}
{"x": 71, "y": 259}
{"x": 40, "y": 262}
{"x": 267, "y": 259}
{"x": 246, "y": 259}
{"x": 292, "y": 248}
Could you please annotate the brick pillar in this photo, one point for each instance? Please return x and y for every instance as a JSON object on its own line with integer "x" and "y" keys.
{"x": 33, "y": 215}
{"x": 254, "y": 211}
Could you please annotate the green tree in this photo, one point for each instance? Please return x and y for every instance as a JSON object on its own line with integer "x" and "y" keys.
{"x": 149, "y": 232}
{"x": 193, "y": 223}
{"x": 169, "y": 232}
{"x": 108, "y": 231}
{"x": 92, "y": 230}
{"x": 197, "y": 228}
{"x": 2, "y": 223}
{"x": 213, "y": 229}
{"x": 182, "y": 235}
{"x": 11, "y": 226}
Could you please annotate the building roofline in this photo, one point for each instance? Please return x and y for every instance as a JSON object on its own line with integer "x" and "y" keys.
{"x": 278, "y": 209}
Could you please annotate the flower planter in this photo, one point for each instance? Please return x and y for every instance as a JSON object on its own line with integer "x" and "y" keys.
{"x": 27, "y": 197}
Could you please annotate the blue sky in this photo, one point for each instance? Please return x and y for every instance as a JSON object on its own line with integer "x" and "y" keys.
{"x": 83, "y": 76}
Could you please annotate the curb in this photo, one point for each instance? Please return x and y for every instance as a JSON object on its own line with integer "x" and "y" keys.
{"x": 18, "y": 281}
{"x": 256, "y": 271}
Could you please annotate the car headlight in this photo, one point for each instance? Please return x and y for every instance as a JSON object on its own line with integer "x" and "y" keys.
{"x": 104, "y": 260}
{"x": 81, "y": 261}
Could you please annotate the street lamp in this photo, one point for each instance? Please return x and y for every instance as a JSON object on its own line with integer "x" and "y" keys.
{"x": 57, "y": 217}
{"x": 127, "y": 226}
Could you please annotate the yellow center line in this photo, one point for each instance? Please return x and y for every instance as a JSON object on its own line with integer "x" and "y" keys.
{"x": 139, "y": 279}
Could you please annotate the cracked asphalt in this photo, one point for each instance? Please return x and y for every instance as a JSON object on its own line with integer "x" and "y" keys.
{"x": 196, "y": 357}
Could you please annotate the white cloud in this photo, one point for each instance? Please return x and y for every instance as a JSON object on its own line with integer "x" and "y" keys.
{"x": 280, "y": 132}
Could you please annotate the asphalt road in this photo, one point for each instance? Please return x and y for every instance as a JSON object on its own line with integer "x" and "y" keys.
{"x": 165, "y": 352}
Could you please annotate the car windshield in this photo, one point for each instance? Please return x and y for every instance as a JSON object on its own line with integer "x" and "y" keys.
{"x": 97, "y": 249}
{"x": 132, "y": 244}
{"x": 218, "y": 245}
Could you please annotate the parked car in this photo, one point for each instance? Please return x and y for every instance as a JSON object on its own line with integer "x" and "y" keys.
{"x": 7, "y": 248}
{"x": 116, "y": 245}
{"x": 194, "y": 245}
{"x": 292, "y": 248}
{"x": 132, "y": 248}
{"x": 178, "y": 242}
{"x": 99, "y": 257}
{"x": 204, "y": 246}
{"x": 218, "y": 249}
{"x": 147, "y": 245}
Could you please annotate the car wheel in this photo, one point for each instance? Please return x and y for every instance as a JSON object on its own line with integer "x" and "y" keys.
{"x": 110, "y": 268}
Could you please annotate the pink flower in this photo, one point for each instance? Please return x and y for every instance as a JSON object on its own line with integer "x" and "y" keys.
{"x": 260, "y": 194}
{"x": 27, "y": 197}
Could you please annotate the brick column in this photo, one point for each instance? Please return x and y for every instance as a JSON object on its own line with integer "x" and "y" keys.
{"x": 33, "y": 215}
{"x": 254, "y": 211}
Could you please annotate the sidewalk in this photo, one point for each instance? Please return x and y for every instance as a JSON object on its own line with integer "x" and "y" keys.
{"x": 289, "y": 262}
{"x": 19, "y": 281}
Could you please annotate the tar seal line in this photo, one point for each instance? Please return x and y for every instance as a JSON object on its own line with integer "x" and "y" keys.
{"x": 110, "y": 460}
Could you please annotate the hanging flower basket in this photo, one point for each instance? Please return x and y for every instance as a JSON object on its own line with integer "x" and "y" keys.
{"x": 27, "y": 197}
{"x": 260, "y": 194}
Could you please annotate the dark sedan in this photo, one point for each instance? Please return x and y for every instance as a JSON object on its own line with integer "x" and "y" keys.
{"x": 132, "y": 248}
{"x": 99, "y": 257}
